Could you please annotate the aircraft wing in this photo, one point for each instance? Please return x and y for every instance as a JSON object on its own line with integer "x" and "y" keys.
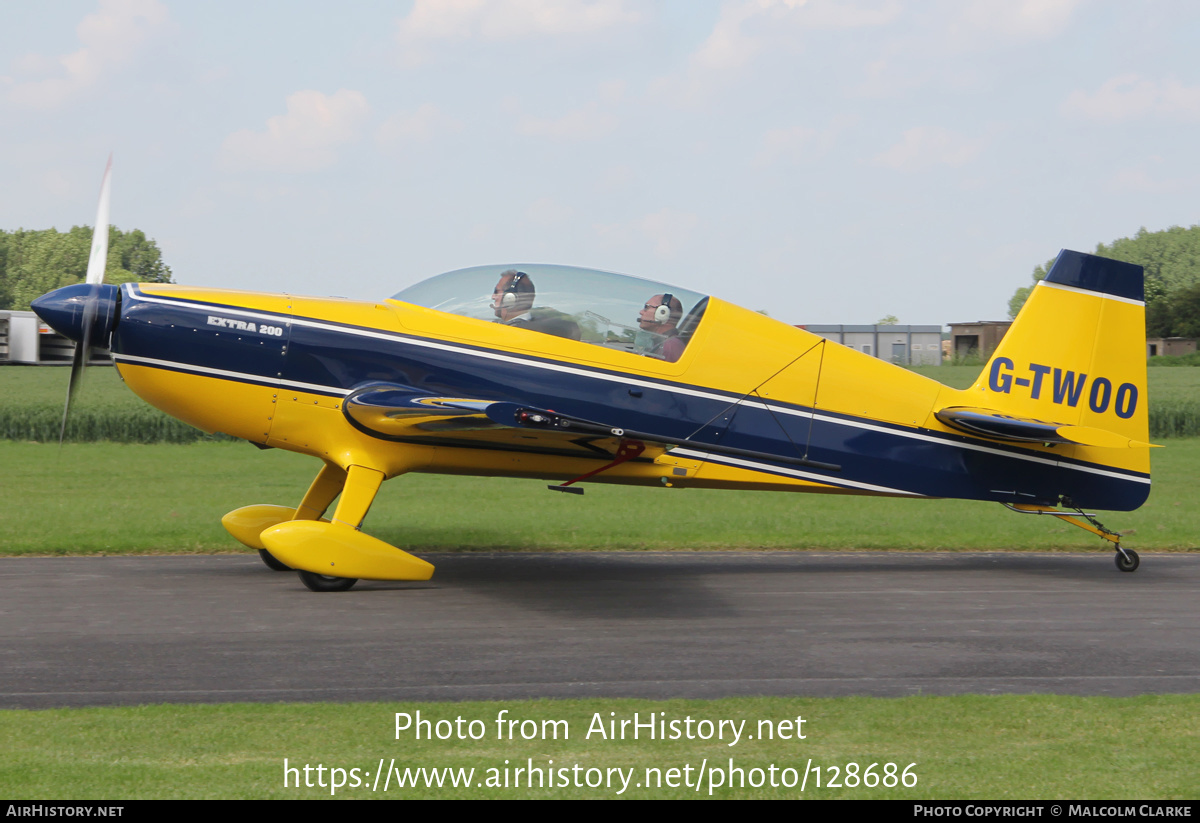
{"x": 1000, "y": 426}
{"x": 544, "y": 419}
{"x": 400, "y": 413}
{"x": 404, "y": 414}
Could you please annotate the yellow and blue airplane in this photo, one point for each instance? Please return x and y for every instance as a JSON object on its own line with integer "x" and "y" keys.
{"x": 572, "y": 374}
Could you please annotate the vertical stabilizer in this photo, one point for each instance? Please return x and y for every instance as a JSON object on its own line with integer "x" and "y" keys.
{"x": 1076, "y": 357}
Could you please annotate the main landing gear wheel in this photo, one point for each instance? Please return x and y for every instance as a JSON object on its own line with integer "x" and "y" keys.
{"x": 1127, "y": 560}
{"x": 325, "y": 583}
{"x": 272, "y": 562}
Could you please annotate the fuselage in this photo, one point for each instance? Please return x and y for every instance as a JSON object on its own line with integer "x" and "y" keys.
{"x": 275, "y": 370}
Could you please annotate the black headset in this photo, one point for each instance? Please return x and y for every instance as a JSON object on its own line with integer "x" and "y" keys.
{"x": 662, "y": 312}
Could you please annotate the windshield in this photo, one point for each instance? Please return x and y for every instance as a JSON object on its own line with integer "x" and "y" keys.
{"x": 611, "y": 310}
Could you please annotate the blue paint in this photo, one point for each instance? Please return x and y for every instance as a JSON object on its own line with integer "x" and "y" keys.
{"x": 1127, "y": 397}
{"x": 1098, "y": 274}
{"x": 881, "y": 455}
{"x": 1039, "y": 372}
{"x": 1067, "y": 388}
{"x": 997, "y": 381}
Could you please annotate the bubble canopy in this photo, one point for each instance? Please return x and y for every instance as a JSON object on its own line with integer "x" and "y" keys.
{"x": 592, "y": 306}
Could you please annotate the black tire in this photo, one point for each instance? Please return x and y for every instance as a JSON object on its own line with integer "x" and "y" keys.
{"x": 272, "y": 562}
{"x": 324, "y": 583}
{"x": 1128, "y": 560}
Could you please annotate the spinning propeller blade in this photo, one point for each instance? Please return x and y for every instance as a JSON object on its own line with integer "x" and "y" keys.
{"x": 94, "y": 279}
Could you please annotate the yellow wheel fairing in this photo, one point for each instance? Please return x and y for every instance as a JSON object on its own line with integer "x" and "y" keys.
{"x": 339, "y": 551}
{"x": 248, "y": 522}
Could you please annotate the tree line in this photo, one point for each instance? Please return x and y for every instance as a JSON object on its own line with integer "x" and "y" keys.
{"x": 33, "y": 262}
{"x": 1171, "y": 259}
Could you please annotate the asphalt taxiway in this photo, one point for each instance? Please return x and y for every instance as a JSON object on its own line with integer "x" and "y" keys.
{"x": 131, "y": 630}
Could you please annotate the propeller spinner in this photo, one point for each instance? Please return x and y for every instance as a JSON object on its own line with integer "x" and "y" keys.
{"x": 85, "y": 312}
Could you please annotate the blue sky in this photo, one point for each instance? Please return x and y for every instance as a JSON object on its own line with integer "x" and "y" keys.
{"x": 830, "y": 162}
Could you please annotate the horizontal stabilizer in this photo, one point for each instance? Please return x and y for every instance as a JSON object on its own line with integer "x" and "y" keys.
{"x": 1000, "y": 426}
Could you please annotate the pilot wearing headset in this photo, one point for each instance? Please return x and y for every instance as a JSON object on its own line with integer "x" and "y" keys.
{"x": 660, "y": 316}
{"x": 513, "y": 298}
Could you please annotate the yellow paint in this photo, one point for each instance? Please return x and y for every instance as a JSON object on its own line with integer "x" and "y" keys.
{"x": 1087, "y": 333}
{"x": 255, "y": 301}
{"x": 338, "y": 551}
{"x": 248, "y": 522}
{"x": 361, "y": 486}
{"x": 212, "y": 404}
{"x": 1111, "y": 537}
{"x": 753, "y": 357}
{"x": 325, "y": 487}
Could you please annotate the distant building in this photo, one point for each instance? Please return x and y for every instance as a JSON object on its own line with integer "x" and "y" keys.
{"x": 27, "y": 340}
{"x": 903, "y": 345}
{"x": 1172, "y": 346}
{"x": 977, "y": 339}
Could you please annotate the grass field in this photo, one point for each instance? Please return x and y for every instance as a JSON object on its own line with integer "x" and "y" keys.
{"x": 176, "y": 495}
{"x": 107, "y": 498}
{"x": 1000, "y": 747}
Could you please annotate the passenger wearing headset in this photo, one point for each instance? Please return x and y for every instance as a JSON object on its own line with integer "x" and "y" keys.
{"x": 660, "y": 316}
{"x": 513, "y": 298}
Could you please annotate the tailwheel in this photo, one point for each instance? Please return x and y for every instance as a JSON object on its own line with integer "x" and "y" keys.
{"x": 325, "y": 583}
{"x": 1127, "y": 559}
{"x": 272, "y": 562}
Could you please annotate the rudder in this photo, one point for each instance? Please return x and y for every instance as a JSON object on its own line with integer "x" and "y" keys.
{"x": 1070, "y": 374}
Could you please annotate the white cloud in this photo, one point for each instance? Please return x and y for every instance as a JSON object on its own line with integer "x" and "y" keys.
{"x": 422, "y": 125}
{"x": 668, "y": 229}
{"x": 791, "y": 143}
{"x": 1139, "y": 180}
{"x": 304, "y": 139}
{"x": 797, "y": 144}
{"x": 941, "y": 42}
{"x": 110, "y": 38}
{"x": 616, "y": 177}
{"x": 927, "y": 146}
{"x": 1023, "y": 19}
{"x": 1153, "y": 176}
{"x": 431, "y": 21}
{"x": 1129, "y": 96}
{"x": 547, "y": 211}
{"x": 587, "y": 122}
{"x": 745, "y": 28}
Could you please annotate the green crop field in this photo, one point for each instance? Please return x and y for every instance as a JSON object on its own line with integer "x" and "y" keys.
{"x": 31, "y": 409}
{"x": 31, "y": 401}
{"x": 1174, "y": 396}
